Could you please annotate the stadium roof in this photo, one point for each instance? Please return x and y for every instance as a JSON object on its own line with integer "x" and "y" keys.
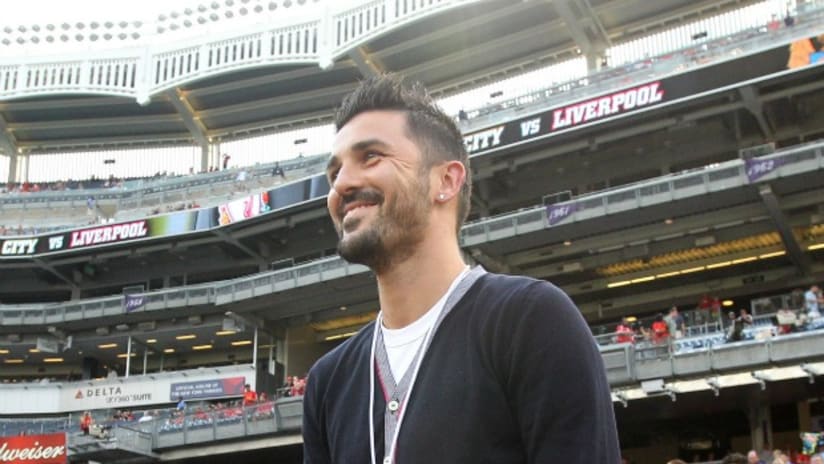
{"x": 451, "y": 51}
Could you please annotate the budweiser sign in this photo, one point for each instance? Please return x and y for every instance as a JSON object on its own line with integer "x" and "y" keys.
{"x": 31, "y": 449}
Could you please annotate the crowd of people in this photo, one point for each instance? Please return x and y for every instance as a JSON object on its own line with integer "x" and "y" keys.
{"x": 253, "y": 406}
{"x": 666, "y": 328}
{"x": 776, "y": 456}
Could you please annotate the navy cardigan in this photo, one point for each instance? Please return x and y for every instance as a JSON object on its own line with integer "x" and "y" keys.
{"x": 512, "y": 375}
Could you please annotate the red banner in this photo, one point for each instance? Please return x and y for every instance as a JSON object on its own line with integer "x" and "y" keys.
{"x": 34, "y": 449}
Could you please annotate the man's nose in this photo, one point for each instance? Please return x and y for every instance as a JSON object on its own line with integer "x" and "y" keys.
{"x": 348, "y": 179}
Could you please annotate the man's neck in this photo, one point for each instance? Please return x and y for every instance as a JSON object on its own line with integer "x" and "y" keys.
{"x": 409, "y": 289}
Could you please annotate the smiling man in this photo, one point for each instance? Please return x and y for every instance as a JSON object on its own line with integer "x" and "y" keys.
{"x": 461, "y": 365}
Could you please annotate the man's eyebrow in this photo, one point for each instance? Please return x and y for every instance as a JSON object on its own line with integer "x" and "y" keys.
{"x": 364, "y": 144}
{"x": 334, "y": 161}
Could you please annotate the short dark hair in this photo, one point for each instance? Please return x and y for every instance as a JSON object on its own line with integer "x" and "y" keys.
{"x": 434, "y": 131}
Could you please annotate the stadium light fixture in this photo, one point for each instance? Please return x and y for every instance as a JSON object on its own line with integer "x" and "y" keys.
{"x": 151, "y": 340}
{"x": 772, "y": 255}
{"x": 727, "y": 303}
{"x": 4, "y": 351}
{"x": 202, "y": 347}
{"x": 13, "y": 361}
{"x": 225, "y": 332}
{"x": 186, "y": 337}
{"x": 53, "y": 360}
{"x": 619, "y": 284}
{"x": 34, "y": 350}
{"x": 124, "y": 355}
{"x": 339, "y": 336}
{"x": 744, "y": 260}
{"x": 817, "y": 246}
{"x": 242, "y": 343}
{"x": 107, "y": 346}
{"x": 169, "y": 350}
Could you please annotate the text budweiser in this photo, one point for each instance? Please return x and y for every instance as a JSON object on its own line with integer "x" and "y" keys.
{"x": 31, "y": 453}
{"x": 106, "y": 234}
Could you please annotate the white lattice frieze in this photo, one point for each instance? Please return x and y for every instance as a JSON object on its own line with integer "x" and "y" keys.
{"x": 318, "y": 35}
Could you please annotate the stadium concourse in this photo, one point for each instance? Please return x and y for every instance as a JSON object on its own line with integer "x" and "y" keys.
{"x": 640, "y": 155}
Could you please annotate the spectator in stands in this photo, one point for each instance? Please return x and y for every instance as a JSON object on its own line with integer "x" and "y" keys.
{"x": 805, "y": 51}
{"x": 624, "y": 332}
{"x": 278, "y": 171}
{"x": 249, "y": 396}
{"x": 752, "y": 458}
{"x": 675, "y": 323}
{"x": 147, "y": 416}
{"x": 226, "y": 159}
{"x": 660, "y": 330}
{"x": 774, "y": 24}
{"x": 86, "y": 422}
{"x": 181, "y": 405}
{"x": 676, "y": 461}
{"x": 817, "y": 459}
{"x": 813, "y": 301}
{"x": 399, "y": 194}
{"x": 738, "y": 324}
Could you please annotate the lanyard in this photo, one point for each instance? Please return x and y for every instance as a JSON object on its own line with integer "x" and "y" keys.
{"x": 452, "y": 295}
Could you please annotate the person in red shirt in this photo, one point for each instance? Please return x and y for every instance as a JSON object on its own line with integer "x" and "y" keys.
{"x": 249, "y": 396}
{"x": 624, "y": 332}
{"x": 660, "y": 332}
{"x": 86, "y": 422}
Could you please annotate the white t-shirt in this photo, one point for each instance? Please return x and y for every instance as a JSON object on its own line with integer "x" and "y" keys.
{"x": 402, "y": 344}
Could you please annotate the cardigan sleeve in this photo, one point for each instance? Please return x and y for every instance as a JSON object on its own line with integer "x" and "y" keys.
{"x": 554, "y": 377}
{"x": 315, "y": 441}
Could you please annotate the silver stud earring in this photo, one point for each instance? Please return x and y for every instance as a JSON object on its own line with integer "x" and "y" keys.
{"x": 442, "y": 197}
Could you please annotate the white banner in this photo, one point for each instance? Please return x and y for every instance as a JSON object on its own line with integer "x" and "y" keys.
{"x": 134, "y": 391}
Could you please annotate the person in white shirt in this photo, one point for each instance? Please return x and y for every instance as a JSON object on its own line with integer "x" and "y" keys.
{"x": 813, "y": 301}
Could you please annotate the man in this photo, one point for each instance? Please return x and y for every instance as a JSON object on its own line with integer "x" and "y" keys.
{"x": 752, "y": 458}
{"x": 249, "y": 396}
{"x": 817, "y": 459}
{"x": 813, "y": 301}
{"x": 624, "y": 332}
{"x": 461, "y": 366}
{"x": 675, "y": 323}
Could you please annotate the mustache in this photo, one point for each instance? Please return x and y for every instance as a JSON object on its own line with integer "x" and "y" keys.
{"x": 364, "y": 196}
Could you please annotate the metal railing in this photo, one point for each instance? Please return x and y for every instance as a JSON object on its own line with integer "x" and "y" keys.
{"x": 731, "y": 174}
{"x": 726, "y": 175}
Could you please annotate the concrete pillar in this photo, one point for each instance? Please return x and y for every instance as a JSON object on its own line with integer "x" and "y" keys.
{"x": 12, "y": 168}
{"x": 204, "y": 157}
{"x": 760, "y": 426}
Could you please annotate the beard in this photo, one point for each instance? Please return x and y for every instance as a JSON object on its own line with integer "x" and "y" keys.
{"x": 395, "y": 231}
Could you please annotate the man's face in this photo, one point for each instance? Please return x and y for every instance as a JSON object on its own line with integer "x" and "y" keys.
{"x": 379, "y": 201}
{"x": 752, "y": 457}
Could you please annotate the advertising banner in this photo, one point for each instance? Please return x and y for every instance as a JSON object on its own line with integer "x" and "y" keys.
{"x": 758, "y": 168}
{"x": 181, "y": 222}
{"x": 212, "y": 388}
{"x": 39, "y": 449}
{"x": 626, "y": 101}
{"x": 133, "y": 302}
{"x": 558, "y": 213}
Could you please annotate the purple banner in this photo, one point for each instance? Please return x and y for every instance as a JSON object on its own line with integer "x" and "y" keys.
{"x": 758, "y": 168}
{"x": 558, "y": 213}
{"x": 133, "y": 302}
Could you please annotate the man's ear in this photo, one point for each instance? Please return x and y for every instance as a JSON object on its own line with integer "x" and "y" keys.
{"x": 451, "y": 178}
